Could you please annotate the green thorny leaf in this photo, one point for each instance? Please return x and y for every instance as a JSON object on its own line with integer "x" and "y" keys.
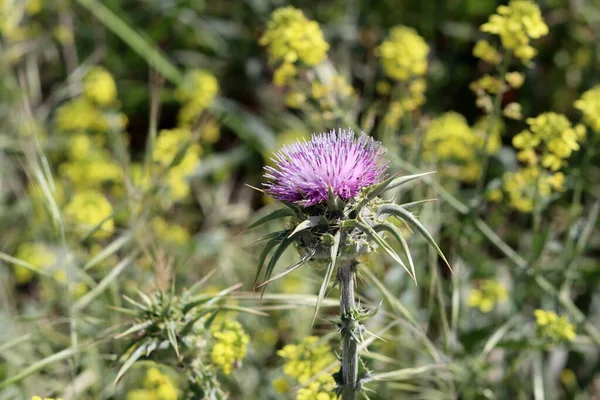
{"x": 369, "y": 231}
{"x": 400, "y": 212}
{"x": 328, "y": 272}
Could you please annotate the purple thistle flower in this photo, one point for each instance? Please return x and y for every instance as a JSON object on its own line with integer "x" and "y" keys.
{"x": 304, "y": 171}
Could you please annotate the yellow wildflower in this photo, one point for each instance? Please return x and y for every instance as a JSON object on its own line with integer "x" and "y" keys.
{"x": 295, "y": 99}
{"x": 489, "y": 84}
{"x": 171, "y": 143}
{"x": 513, "y": 111}
{"x": 291, "y": 37}
{"x": 211, "y": 132}
{"x": 156, "y": 386}
{"x": 99, "y": 87}
{"x": 45, "y": 398}
{"x": 306, "y": 359}
{"x": 589, "y": 105}
{"x": 516, "y": 24}
{"x": 485, "y": 51}
{"x": 450, "y": 141}
{"x": 281, "y": 385}
{"x": 37, "y": 255}
{"x": 383, "y": 87}
{"x": 230, "y": 347}
{"x": 553, "y": 327}
{"x": 521, "y": 186}
{"x": 487, "y": 295}
{"x": 80, "y": 115}
{"x": 554, "y": 134}
{"x": 173, "y": 233}
{"x": 319, "y": 389}
{"x": 404, "y": 54}
{"x": 514, "y": 79}
{"x": 197, "y": 93}
{"x": 285, "y": 74}
{"x": 90, "y": 210}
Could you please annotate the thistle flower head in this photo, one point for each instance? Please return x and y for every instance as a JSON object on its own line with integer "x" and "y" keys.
{"x": 306, "y": 171}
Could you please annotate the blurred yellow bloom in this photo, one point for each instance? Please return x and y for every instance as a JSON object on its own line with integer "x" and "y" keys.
{"x": 291, "y": 37}
{"x": 173, "y": 233}
{"x": 319, "y": 389}
{"x": 403, "y": 54}
{"x": 485, "y": 51}
{"x": 230, "y": 347}
{"x": 196, "y": 94}
{"x": 285, "y": 74}
{"x": 281, "y": 385}
{"x": 514, "y": 79}
{"x": 489, "y": 84}
{"x": 156, "y": 386}
{"x": 36, "y": 254}
{"x": 521, "y": 186}
{"x": 452, "y": 143}
{"x": 487, "y": 295}
{"x": 513, "y": 111}
{"x": 99, "y": 87}
{"x": 90, "y": 210}
{"x": 295, "y": 99}
{"x": 92, "y": 172}
{"x": 171, "y": 143}
{"x": 211, "y": 132}
{"x": 383, "y": 87}
{"x": 516, "y": 24}
{"x": 45, "y": 398}
{"x": 589, "y": 105}
{"x": 306, "y": 359}
{"x": 553, "y": 327}
{"x": 554, "y": 134}
{"x": 80, "y": 115}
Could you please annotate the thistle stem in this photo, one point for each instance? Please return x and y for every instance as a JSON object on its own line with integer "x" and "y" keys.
{"x": 349, "y": 331}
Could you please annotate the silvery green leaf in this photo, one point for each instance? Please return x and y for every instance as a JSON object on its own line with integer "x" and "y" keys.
{"x": 379, "y": 240}
{"x": 407, "y": 216}
{"x": 404, "y": 179}
{"x": 303, "y": 260}
{"x": 279, "y": 213}
{"x": 307, "y": 224}
{"x": 395, "y": 232}
{"x": 328, "y": 272}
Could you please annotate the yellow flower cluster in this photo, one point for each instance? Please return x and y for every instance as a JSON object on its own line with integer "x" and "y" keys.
{"x": 36, "y": 254}
{"x": 589, "y": 105}
{"x": 485, "y": 51}
{"x": 157, "y": 386}
{"x": 45, "y": 398}
{"x": 172, "y": 233}
{"x": 319, "y": 389}
{"x": 306, "y": 359}
{"x": 520, "y": 187}
{"x": 516, "y": 24}
{"x": 487, "y": 295}
{"x": 551, "y": 134}
{"x": 450, "y": 141}
{"x": 99, "y": 87}
{"x": 291, "y": 38}
{"x": 89, "y": 210}
{"x": 404, "y": 54}
{"x": 90, "y": 165}
{"x": 173, "y": 150}
{"x": 197, "y": 93}
{"x": 92, "y": 111}
{"x": 303, "y": 362}
{"x": 230, "y": 346}
{"x": 555, "y": 328}
{"x": 408, "y": 100}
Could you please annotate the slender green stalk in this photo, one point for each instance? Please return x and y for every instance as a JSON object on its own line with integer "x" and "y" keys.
{"x": 493, "y": 117}
{"x": 350, "y": 327}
